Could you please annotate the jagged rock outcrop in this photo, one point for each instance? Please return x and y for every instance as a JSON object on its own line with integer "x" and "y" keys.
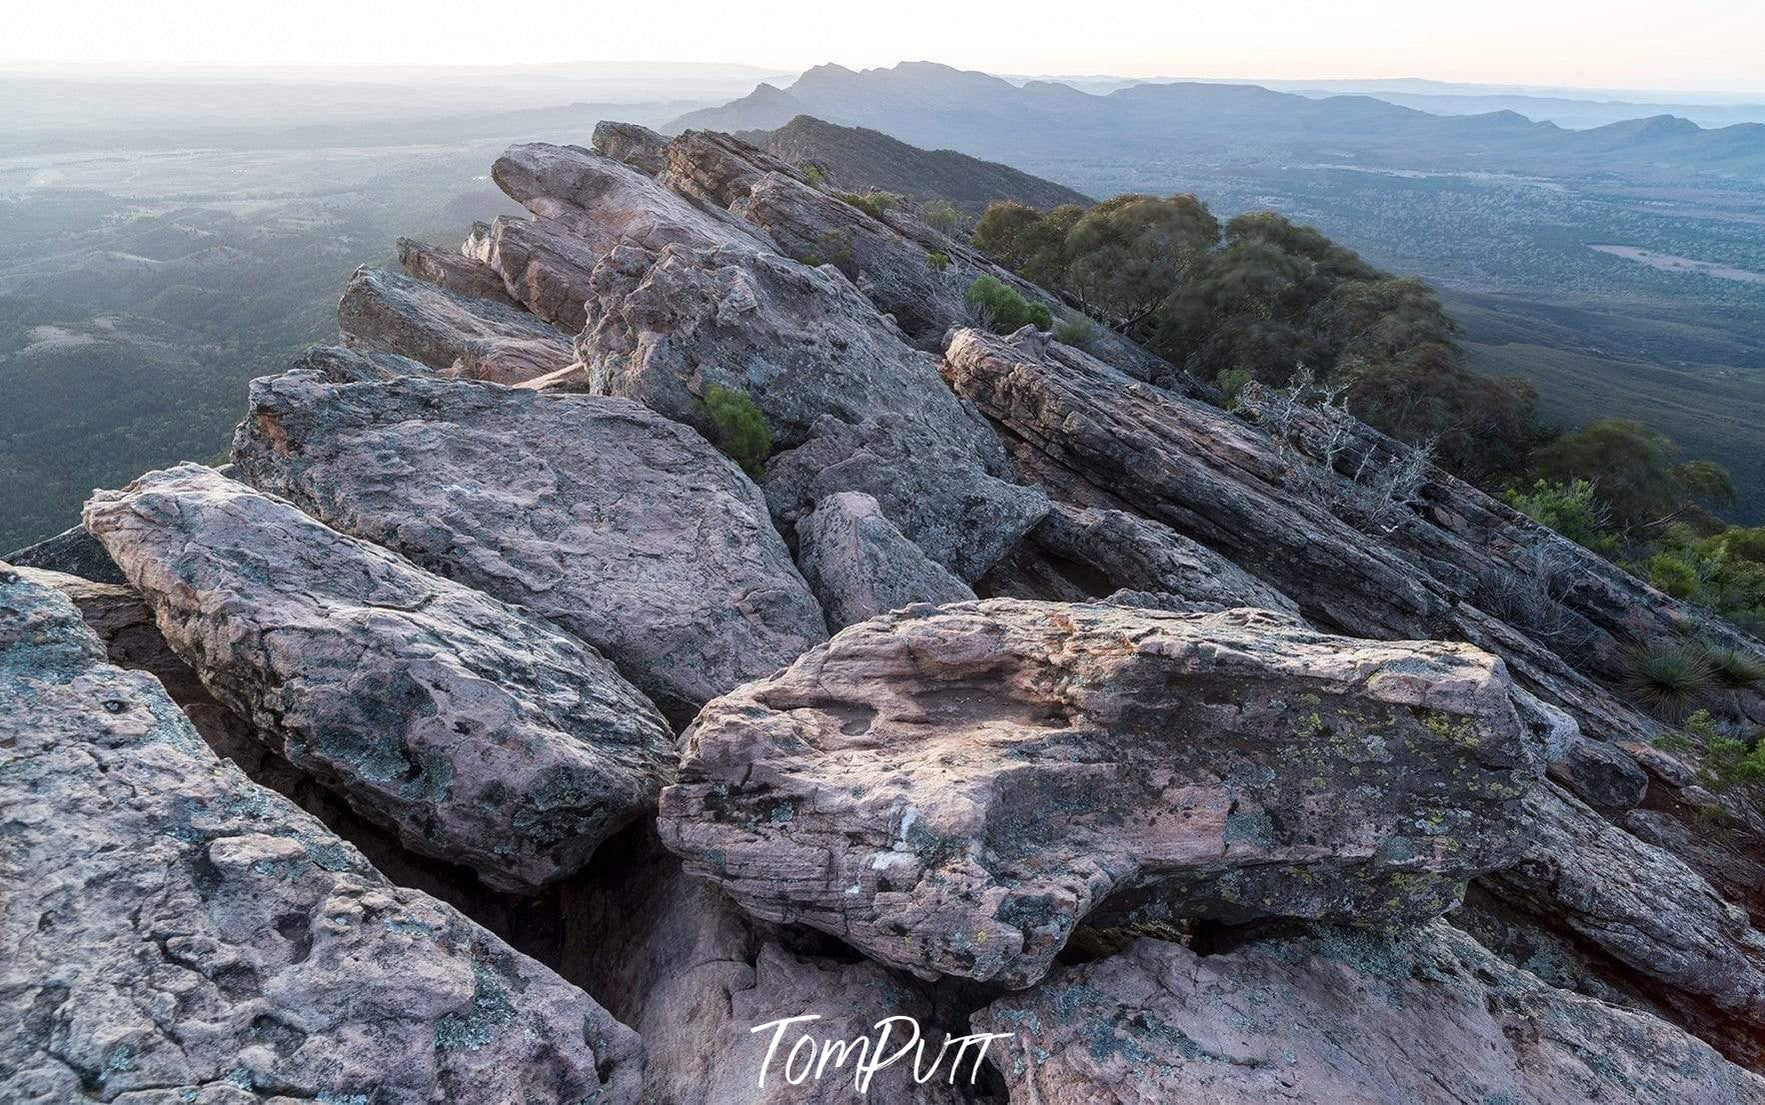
{"x": 474, "y": 339}
{"x": 543, "y": 265}
{"x": 628, "y": 530}
{"x": 454, "y": 271}
{"x": 849, "y": 403}
{"x": 120, "y": 618}
{"x": 670, "y": 955}
{"x": 478, "y": 733}
{"x": 73, "y": 551}
{"x": 951, "y": 790}
{"x": 1075, "y": 554}
{"x": 171, "y": 931}
{"x": 859, "y": 565}
{"x": 339, "y": 364}
{"x": 637, "y": 146}
{"x": 1340, "y": 1016}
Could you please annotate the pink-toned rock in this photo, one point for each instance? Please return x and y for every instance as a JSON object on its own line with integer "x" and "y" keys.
{"x": 951, "y": 790}
{"x": 454, "y": 334}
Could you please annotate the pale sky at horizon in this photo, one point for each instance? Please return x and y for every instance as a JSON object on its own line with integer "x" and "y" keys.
{"x": 1708, "y": 45}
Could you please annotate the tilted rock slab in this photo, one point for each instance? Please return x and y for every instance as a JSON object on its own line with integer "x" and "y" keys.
{"x": 479, "y": 733}
{"x": 463, "y": 337}
{"x": 951, "y": 790}
{"x": 859, "y": 565}
{"x": 625, "y": 528}
{"x": 849, "y": 404}
{"x": 1345, "y": 1017}
{"x": 170, "y": 931}
{"x": 454, "y": 271}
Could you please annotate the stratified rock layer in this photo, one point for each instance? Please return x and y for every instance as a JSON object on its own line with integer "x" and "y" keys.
{"x": 479, "y": 733}
{"x": 474, "y": 339}
{"x": 859, "y": 565}
{"x": 172, "y": 932}
{"x": 1349, "y": 1018}
{"x": 952, "y": 789}
{"x": 623, "y": 527}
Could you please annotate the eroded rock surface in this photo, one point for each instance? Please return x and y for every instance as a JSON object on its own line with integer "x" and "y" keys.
{"x": 478, "y": 733}
{"x": 850, "y": 405}
{"x": 170, "y": 931}
{"x": 454, "y": 271}
{"x": 859, "y": 565}
{"x": 475, "y": 339}
{"x": 72, "y": 551}
{"x": 1341, "y": 1016}
{"x": 628, "y": 530}
{"x": 952, "y": 790}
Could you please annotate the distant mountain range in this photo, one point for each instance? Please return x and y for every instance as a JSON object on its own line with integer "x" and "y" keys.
{"x": 935, "y": 105}
{"x": 859, "y": 159}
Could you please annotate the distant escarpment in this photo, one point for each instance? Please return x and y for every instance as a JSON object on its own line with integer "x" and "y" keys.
{"x": 682, "y": 586}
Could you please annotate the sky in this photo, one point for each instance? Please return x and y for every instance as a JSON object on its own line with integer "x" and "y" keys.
{"x": 1716, "y": 45}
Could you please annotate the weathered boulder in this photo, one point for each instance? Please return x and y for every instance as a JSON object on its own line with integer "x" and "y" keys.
{"x": 951, "y": 790}
{"x": 478, "y": 733}
{"x": 454, "y": 271}
{"x": 852, "y": 406}
{"x": 1082, "y": 553}
{"x": 637, "y": 146}
{"x": 543, "y": 265}
{"x": 72, "y": 551}
{"x": 451, "y": 333}
{"x": 170, "y": 931}
{"x": 626, "y": 529}
{"x": 124, "y": 624}
{"x": 1645, "y": 908}
{"x": 1340, "y": 1016}
{"x": 674, "y": 958}
{"x": 859, "y": 565}
{"x": 340, "y": 364}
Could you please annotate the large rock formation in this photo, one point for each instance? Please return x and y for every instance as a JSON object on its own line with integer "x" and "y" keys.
{"x": 859, "y": 565}
{"x": 478, "y": 733}
{"x": 951, "y": 790}
{"x": 454, "y": 271}
{"x": 169, "y": 931}
{"x": 625, "y": 528}
{"x": 475, "y": 339}
{"x": 852, "y": 406}
{"x": 1340, "y": 1016}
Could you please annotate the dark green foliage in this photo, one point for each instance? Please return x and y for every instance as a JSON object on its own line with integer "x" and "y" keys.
{"x": 815, "y": 175}
{"x": 737, "y": 427}
{"x": 940, "y": 215}
{"x": 834, "y": 248}
{"x": 1262, "y": 297}
{"x": 1075, "y": 330}
{"x": 1727, "y": 761}
{"x": 1735, "y": 669}
{"x": 938, "y": 260}
{"x": 1668, "y": 678}
{"x": 1571, "y": 509}
{"x": 872, "y": 203}
{"x": 1003, "y": 309}
{"x": 1640, "y": 473}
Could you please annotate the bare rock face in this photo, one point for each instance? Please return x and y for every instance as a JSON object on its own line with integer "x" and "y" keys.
{"x": 477, "y": 732}
{"x": 124, "y": 624}
{"x": 543, "y": 265}
{"x": 637, "y": 146}
{"x": 74, "y": 552}
{"x": 340, "y": 364}
{"x": 1340, "y": 1016}
{"x": 859, "y": 565}
{"x": 851, "y": 404}
{"x": 674, "y": 958}
{"x": 952, "y": 790}
{"x": 475, "y": 339}
{"x": 454, "y": 271}
{"x": 1120, "y": 551}
{"x": 170, "y": 931}
{"x": 628, "y": 530}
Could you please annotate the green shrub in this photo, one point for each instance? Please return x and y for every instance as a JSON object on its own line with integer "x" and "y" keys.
{"x": 1003, "y": 309}
{"x": 938, "y": 260}
{"x": 872, "y": 203}
{"x": 1735, "y": 669}
{"x": 1572, "y": 509}
{"x": 836, "y": 250}
{"x": 1076, "y": 330}
{"x": 737, "y": 427}
{"x": 1667, "y": 678}
{"x": 1727, "y": 761}
{"x": 940, "y": 215}
{"x": 1673, "y": 575}
{"x": 815, "y": 175}
{"x": 1231, "y": 382}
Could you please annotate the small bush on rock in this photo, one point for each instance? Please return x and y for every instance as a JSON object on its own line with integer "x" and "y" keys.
{"x": 1003, "y": 309}
{"x": 1668, "y": 678}
{"x": 738, "y": 427}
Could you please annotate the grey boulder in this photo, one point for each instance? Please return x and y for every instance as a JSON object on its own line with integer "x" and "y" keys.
{"x": 478, "y": 733}
{"x": 456, "y": 335}
{"x": 859, "y": 565}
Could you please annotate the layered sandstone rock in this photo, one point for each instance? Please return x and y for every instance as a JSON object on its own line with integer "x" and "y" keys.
{"x": 454, "y": 334}
{"x": 1340, "y": 1016}
{"x": 628, "y": 530}
{"x": 170, "y": 931}
{"x": 478, "y": 733}
{"x": 952, "y": 790}
{"x": 859, "y": 565}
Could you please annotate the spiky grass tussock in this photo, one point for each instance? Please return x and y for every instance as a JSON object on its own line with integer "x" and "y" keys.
{"x": 1668, "y": 678}
{"x": 1736, "y": 669}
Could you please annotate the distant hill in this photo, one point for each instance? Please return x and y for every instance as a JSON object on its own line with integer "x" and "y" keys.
{"x": 935, "y": 105}
{"x": 860, "y": 159}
